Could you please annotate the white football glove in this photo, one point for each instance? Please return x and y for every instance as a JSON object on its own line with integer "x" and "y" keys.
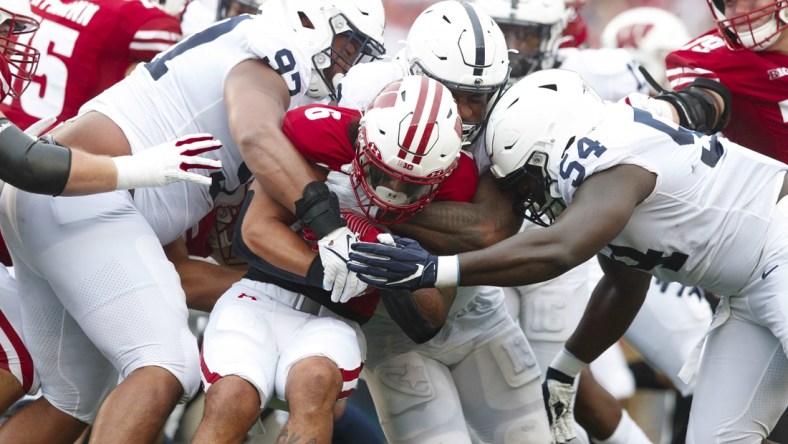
{"x": 659, "y": 108}
{"x": 334, "y": 249}
{"x": 559, "y": 393}
{"x": 167, "y": 163}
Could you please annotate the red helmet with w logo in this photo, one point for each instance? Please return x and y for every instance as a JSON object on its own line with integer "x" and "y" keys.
{"x": 409, "y": 141}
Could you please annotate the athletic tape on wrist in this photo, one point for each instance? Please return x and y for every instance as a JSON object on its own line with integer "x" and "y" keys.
{"x": 567, "y": 363}
{"x": 448, "y": 273}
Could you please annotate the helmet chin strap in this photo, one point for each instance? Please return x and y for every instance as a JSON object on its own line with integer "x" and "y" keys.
{"x": 336, "y": 79}
{"x": 759, "y": 34}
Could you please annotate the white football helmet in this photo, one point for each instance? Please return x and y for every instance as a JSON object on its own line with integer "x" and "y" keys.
{"x": 533, "y": 28}
{"x": 19, "y": 61}
{"x": 756, "y": 29}
{"x": 317, "y": 22}
{"x": 461, "y": 46}
{"x": 409, "y": 141}
{"x": 532, "y": 125}
{"x": 650, "y": 34}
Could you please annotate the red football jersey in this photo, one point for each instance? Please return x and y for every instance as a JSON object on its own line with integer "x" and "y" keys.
{"x": 758, "y": 82}
{"x": 320, "y": 133}
{"x": 87, "y": 46}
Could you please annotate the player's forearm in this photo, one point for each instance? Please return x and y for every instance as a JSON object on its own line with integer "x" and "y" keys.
{"x": 279, "y": 168}
{"x": 278, "y": 245}
{"x": 202, "y": 281}
{"x": 90, "y": 174}
{"x": 455, "y": 227}
{"x": 520, "y": 260}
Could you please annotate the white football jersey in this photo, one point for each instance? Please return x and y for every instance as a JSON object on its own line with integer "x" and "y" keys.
{"x": 612, "y": 72}
{"x": 705, "y": 222}
{"x": 364, "y": 81}
{"x": 181, "y": 91}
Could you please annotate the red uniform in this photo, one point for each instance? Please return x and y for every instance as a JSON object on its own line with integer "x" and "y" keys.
{"x": 87, "y": 46}
{"x": 320, "y": 133}
{"x": 322, "y": 138}
{"x": 758, "y": 82}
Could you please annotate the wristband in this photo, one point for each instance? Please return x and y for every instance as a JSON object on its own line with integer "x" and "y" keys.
{"x": 132, "y": 173}
{"x": 567, "y": 363}
{"x": 314, "y": 276}
{"x": 448, "y": 272}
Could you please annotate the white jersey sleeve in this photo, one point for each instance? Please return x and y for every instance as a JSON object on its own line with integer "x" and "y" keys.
{"x": 612, "y": 72}
{"x": 705, "y": 222}
{"x": 181, "y": 91}
{"x": 364, "y": 81}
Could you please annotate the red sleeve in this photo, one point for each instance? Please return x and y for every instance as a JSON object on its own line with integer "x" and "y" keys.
{"x": 461, "y": 185}
{"x": 150, "y": 30}
{"x": 758, "y": 82}
{"x": 320, "y": 133}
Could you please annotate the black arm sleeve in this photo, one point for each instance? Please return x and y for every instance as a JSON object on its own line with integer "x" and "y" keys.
{"x": 403, "y": 310}
{"x": 32, "y": 165}
{"x": 697, "y": 108}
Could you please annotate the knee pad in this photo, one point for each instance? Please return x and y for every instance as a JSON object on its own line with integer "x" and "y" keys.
{"x": 416, "y": 400}
{"x": 239, "y": 343}
{"x": 340, "y": 341}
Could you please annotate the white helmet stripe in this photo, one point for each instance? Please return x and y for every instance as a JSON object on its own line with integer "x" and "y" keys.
{"x": 429, "y": 96}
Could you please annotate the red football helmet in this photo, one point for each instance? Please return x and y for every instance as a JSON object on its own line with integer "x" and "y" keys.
{"x": 409, "y": 141}
{"x": 19, "y": 60}
{"x": 756, "y": 29}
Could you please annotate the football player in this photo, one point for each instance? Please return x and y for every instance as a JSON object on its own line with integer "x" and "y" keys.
{"x": 276, "y": 333}
{"x": 678, "y": 218}
{"x": 458, "y": 44}
{"x": 17, "y": 65}
{"x": 650, "y": 34}
{"x": 747, "y": 53}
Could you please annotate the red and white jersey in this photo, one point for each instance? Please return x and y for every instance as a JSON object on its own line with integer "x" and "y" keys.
{"x": 758, "y": 82}
{"x": 321, "y": 134}
{"x": 86, "y": 47}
